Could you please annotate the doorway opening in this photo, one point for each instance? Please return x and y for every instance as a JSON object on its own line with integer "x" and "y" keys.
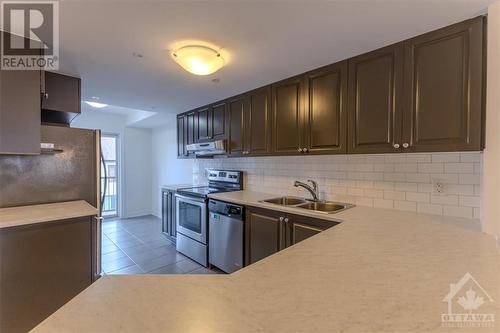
{"x": 109, "y": 175}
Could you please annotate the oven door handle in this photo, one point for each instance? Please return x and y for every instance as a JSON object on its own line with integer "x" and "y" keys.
{"x": 191, "y": 199}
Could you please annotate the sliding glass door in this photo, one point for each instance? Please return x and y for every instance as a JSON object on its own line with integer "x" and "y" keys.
{"x": 109, "y": 175}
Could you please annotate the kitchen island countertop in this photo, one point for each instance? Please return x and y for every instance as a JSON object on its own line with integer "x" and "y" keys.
{"x": 32, "y": 214}
{"x": 377, "y": 271}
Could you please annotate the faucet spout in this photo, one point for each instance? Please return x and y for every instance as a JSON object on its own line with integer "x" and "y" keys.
{"x": 313, "y": 190}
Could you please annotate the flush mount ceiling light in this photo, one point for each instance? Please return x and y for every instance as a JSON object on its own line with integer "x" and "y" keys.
{"x": 198, "y": 60}
{"x": 96, "y": 104}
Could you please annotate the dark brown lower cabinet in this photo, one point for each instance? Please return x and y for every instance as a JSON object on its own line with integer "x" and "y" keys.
{"x": 168, "y": 228}
{"x": 43, "y": 266}
{"x": 269, "y": 231}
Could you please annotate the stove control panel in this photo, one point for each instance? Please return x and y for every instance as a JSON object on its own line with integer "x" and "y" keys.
{"x": 226, "y": 176}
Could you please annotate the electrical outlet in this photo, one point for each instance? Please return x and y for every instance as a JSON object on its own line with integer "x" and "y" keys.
{"x": 438, "y": 187}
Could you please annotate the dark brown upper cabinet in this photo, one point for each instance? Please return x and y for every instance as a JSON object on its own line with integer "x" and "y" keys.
{"x": 375, "y": 101}
{"x": 20, "y": 129}
{"x": 288, "y": 105}
{"x": 237, "y": 108}
{"x": 258, "y": 127}
{"x": 424, "y": 94}
{"x": 203, "y": 119}
{"x": 61, "y": 98}
{"x": 181, "y": 136}
{"x": 444, "y": 92}
{"x": 325, "y": 112}
{"x": 219, "y": 121}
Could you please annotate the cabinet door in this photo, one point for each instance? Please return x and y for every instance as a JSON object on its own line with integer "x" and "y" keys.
{"x": 203, "y": 120}
{"x": 20, "y": 129}
{"x": 299, "y": 232}
{"x": 443, "y": 85}
{"x": 237, "y": 109}
{"x": 258, "y": 129}
{"x": 43, "y": 267}
{"x": 61, "y": 100}
{"x": 264, "y": 234}
{"x": 181, "y": 136}
{"x": 374, "y": 101}
{"x": 165, "y": 212}
{"x": 287, "y": 115}
{"x": 190, "y": 129}
{"x": 299, "y": 228}
{"x": 219, "y": 122}
{"x": 325, "y": 110}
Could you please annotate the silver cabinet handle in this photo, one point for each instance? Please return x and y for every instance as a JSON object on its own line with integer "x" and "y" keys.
{"x": 281, "y": 218}
{"x": 46, "y": 95}
{"x": 286, "y": 220}
{"x": 406, "y": 145}
{"x": 306, "y": 150}
{"x": 396, "y": 145}
{"x": 300, "y": 150}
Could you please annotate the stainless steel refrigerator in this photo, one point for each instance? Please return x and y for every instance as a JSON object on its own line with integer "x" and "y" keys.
{"x": 70, "y": 171}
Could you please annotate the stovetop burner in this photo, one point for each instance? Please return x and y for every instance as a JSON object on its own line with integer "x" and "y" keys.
{"x": 204, "y": 190}
{"x": 218, "y": 181}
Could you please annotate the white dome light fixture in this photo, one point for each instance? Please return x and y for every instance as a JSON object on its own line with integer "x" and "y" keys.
{"x": 198, "y": 59}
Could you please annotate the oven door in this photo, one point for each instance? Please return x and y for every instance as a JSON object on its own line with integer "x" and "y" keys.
{"x": 191, "y": 217}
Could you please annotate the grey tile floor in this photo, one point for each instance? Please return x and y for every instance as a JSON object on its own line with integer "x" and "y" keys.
{"x": 137, "y": 246}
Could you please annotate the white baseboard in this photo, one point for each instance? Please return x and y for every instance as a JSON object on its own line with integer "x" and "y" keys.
{"x": 137, "y": 214}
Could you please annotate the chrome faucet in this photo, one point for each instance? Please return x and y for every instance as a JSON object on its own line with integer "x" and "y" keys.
{"x": 313, "y": 190}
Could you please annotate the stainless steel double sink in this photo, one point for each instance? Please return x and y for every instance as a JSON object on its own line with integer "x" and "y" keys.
{"x": 327, "y": 207}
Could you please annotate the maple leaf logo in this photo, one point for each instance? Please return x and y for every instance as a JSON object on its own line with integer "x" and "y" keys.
{"x": 471, "y": 301}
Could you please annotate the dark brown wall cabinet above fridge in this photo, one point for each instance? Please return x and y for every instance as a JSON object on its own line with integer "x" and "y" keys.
{"x": 424, "y": 94}
{"x": 19, "y": 111}
{"x": 268, "y": 231}
{"x": 61, "y": 98}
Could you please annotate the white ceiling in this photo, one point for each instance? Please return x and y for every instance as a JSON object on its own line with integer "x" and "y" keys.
{"x": 267, "y": 40}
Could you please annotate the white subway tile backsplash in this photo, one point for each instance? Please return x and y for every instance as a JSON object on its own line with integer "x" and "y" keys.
{"x": 394, "y": 195}
{"x": 383, "y": 203}
{"x": 471, "y": 179}
{"x": 417, "y": 197}
{"x": 444, "y": 199}
{"x": 445, "y": 157}
{"x": 405, "y": 205}
{"x": 394, "y": 181}
{"x": 459, "y": 168}
{"x": 470, "y": 201}
{"x": 458, "y": 211}
{"x": 426, "y": 208}
{"x": 430, "y": 167}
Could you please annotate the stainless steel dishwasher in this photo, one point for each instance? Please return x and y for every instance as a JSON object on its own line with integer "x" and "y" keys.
{"x": 225, "y": 241}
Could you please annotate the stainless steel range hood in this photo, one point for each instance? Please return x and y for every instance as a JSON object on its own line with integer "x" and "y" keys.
{"x": 217, "y": 147}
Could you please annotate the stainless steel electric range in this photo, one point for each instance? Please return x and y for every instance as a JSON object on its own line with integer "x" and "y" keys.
{"x": 192, "y": 212}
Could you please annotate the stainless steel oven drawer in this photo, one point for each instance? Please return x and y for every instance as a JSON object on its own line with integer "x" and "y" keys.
{"x": 192, "y": 249}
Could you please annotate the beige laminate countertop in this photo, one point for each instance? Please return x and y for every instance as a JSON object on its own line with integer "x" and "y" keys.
{"x": 24, "y": 215}
{"x": 377, "y": 271}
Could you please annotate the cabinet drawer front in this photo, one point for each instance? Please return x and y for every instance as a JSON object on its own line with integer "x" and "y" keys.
{"x": 375, "y": 88}
{"x": 444, "y": 85}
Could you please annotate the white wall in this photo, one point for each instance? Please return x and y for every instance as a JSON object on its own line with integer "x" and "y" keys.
{"x": 136, "y": 156}
{"x": 491, "y": 192}
{"x": 167, "y": 169}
